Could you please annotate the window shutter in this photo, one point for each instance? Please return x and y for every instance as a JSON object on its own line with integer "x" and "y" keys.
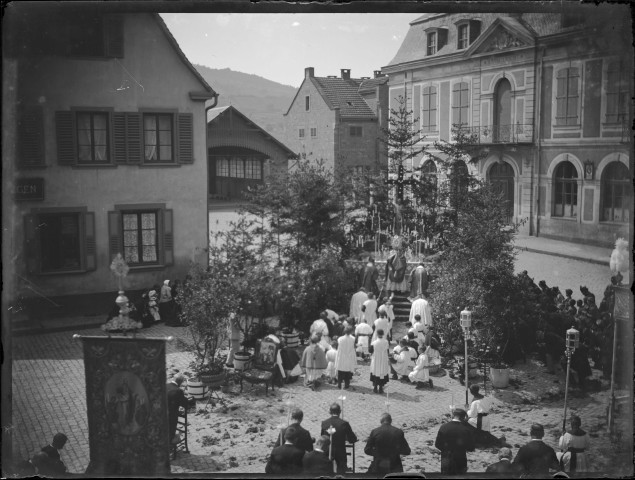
{"x": 32, "y": 249}
{"x": 475, "y": 30}
{"x": 168, "y": 237}
{"x": 416, "y": 100}
{"x": 119, "y": 137}
{"x": 114, "y": 234}
{"x": 31, "y": 137}
{"x": 113, "y": 36}
{"x": 186, "y": 137}
{"x": 90, "y": 243}
{"x": 65, "y": 132}
{"x": 133, "y": 137}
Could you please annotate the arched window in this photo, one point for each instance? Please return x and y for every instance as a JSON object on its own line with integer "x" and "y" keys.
{"x": 565, "y": 202}
{"x": 429, "y": 171}
{"x": 617, "y": 195}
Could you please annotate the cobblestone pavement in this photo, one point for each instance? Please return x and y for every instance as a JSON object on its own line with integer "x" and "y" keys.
{"x": 49, "y": 397}
{"x": 565, "y": 273}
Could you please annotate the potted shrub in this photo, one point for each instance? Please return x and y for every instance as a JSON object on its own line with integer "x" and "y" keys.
{"x": 498, "y": 371}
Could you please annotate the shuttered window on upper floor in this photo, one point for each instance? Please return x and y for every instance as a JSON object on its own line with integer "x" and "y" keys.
{"x": 567, "y": 96}
{"x": 30, "y": 133}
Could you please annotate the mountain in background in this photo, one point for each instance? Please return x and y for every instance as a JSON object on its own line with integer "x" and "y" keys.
{"x": 262, "y": 101}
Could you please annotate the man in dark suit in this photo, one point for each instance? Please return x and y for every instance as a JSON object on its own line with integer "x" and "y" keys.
{"x": 52, "y": 464}
{"x": 287, "y": 458}
{"x": 343, "y": 433}
{"x": 303, "y": 438}
{"x": 504, "y": 464}
{"x": 176, "y": 399}
{"x": 536, "y": 456}
{"x": 316, "y": 462}
{"x": 454, "y": 440}
{"x": 386, "y": 443}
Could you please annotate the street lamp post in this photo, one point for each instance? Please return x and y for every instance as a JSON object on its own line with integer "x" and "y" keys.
{"x": 572, "y": 342}
{"x": 466, "y": 324}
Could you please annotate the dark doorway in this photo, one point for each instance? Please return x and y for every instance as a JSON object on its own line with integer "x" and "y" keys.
{"x": 501, "y": 176}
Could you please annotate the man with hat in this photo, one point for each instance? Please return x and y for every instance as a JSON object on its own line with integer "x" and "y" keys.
{"x": 504, "y": 464}
{"x": 454, "y": 440}
{"x": 536, "y": 456}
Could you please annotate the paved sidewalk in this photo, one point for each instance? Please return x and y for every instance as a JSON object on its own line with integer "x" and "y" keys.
{"x": 576, "y": 251}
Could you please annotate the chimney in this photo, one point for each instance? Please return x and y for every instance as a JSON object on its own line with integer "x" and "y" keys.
{"x": 378, "y": 73}
{"x": 309, "y": 72}
{"x": 346, "y": 73}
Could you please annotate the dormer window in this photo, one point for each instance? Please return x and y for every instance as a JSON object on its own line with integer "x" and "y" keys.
{"x": 437, "y": 38}
{"x": 467, "y": 31}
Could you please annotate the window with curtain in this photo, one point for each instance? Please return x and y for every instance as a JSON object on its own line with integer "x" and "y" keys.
{"x": 236, "y": 168}
{"x": 616, "y": 93}
{"x": 140, "y": 237}
{"x": 222, "y": 167}
{"x": 432, "y": 43}
{"x": 567, "y": 96}
{"x": 429, "y": 110}
{"x": 617, "y": 193}
{"x": 157, "y": 137}
{"x": 460, "y": 103}
{"x": 253, "y": 169}
{"x": 92, "y": 137}
{"x": 565, "y": 201}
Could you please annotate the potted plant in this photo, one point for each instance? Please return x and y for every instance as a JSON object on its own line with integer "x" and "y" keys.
{"x": 499, "y": 371}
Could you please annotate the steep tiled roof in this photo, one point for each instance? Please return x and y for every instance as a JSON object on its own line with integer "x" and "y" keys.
{"x": 343, "y": 94}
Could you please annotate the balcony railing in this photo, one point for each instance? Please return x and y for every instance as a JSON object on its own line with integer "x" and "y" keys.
{"x": 518, "y": 133}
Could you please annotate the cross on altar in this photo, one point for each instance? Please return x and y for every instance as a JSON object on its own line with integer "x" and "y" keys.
{"x": 400, "y": 181}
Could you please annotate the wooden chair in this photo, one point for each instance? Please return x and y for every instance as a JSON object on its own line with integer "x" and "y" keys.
{"x": 263, "y": 367}
{"x": 181, "y": 429}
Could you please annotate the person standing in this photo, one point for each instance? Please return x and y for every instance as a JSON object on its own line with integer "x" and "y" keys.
{"x": 316, "y": 462}
{"x": 346, "y": 359}
{"x": 454, "y": 440}
{"x": 357, "y": 300}
{"x": 396, "y": 264}
{"x": 574, "y": 444}
{"x": 379, "y": 364}
{"x": 388, "y": 308}
{"x": 386, "y": 444}
{"x": 303, "y": 439}
{"x": 166, "y": 304}
{"x": 343, "y": 433}
{"x": 363, "y": 333}
{"x": 53, "y": 465}
{"x": 381, "y": 323}
{"x": 536, "y": 456}
{"x": 176, "y": 400}
{"x": 287, "y": 458}
{"x": 370, "y": 312}
{"x": 504, "y": 464}
{"x": 368, "y": 277}
{"x": 331, "y": 354}
{"x": 418, "y": 281}
{"x": 420, "y": 306}
{"x": 313, "y": 363}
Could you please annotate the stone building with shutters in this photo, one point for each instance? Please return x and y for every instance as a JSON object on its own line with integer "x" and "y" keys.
{"x": 338, "y": 120}
{"x": 110, "y": 153}
{"x": 547, "y": 95}
{"x": 240, "y": 154}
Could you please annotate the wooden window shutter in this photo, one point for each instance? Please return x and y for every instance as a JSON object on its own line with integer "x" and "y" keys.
{"x": 133, "y": 137}
{"x": 185, "y": 127}
{"x": 32, "y": 245}
{"x": 114, "y": 234}
{"x": 65, "y": 133}
{"x": 113, "y": 36}
{"x": 90, "y": 242}
{"x": 168, "y": 237}
{"x": 31, "y": 137}
{"x": 119, "y": 137}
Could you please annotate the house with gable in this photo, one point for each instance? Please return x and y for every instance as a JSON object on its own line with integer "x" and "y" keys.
{"x": 547, "y": 96}
{"x": 338, "y": 120}
{"x": 107, "y": 154}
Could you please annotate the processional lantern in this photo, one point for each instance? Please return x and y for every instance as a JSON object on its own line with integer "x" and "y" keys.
{"x": 573, "y": 340}
{"x": 466, "y": 321}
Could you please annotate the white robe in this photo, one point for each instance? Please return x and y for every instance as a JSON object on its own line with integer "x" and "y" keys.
{"x": 404, "y": 362}
{"x": 357, "y": 300}
{"x": 371, "y": 311}
{"x": 363, "y": 332}
{"x": 421, "y": 307}
{"x": 576, "y": 441}
{"x": 380, "y": 324}
{"x": 481, "y": 405}
{"x": 420, "y": 373}
{"x": 346, "y": 359}
{"x": 379, "y": 364}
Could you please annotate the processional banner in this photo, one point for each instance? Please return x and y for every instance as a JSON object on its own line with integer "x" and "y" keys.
{"x": 126, "y": 406}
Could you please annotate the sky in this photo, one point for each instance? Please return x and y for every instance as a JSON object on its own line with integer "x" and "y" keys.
{"x": 279, "y": 46}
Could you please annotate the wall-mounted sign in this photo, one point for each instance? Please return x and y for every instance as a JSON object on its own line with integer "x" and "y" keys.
{"x": 588, "y": 170}
{"x": 29, "y": 189}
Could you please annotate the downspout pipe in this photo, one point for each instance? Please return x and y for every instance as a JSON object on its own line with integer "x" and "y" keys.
{"x": 538, "y": 132}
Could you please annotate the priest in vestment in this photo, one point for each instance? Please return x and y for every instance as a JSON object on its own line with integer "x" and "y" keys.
{"x": 369, "y": 276}
{"x": 421, "y": 307}
{"x": 357, "y": 300}
{"x": 418, "y": 281}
